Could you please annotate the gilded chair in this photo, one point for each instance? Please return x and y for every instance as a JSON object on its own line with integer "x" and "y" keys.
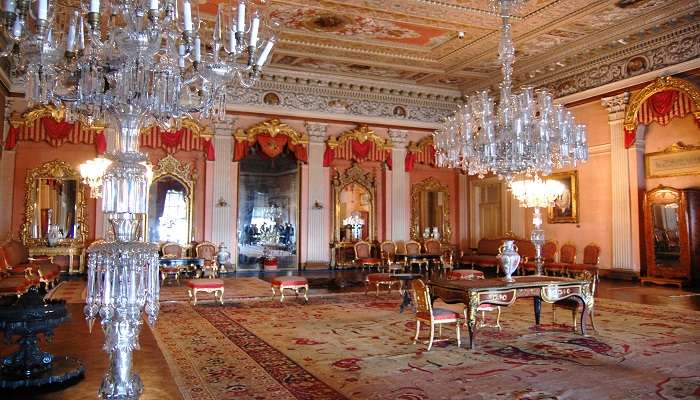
{"x": 433, "y": 247}
{"x": 549, "y": 256}
{"x": 447, "y": 261}
{"x": 591, "y": 258}
{"x": 363, "y": 256}
{"x": 434, "y": 316}
{"x": 172, "y": 250}
{"x": 567, "y": 257}
{"x": 388, "y": 251}
{"x": 572, "y": 305}
{"x": 412, "y": 253}
{"x": 208, "y": 251}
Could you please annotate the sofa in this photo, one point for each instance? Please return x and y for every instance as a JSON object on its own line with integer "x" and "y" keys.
{"x": 16, "y": 262}
{"x": 486, "y": 254}
{"x": 15, "y": 283}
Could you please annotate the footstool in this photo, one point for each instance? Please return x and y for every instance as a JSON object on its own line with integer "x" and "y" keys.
{"x": 215, "y": 286}
{"x": 291, "y": 282}
{"x": 378, "y": 279}
{"x": 465, "y": 274}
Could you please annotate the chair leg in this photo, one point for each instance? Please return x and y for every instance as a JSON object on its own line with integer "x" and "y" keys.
{"x": 498, "y": 318}
{"x": 459, "y": 336}
{"x": 273, "y": 292}
{"x": 573, "y": 317}
{"x": 195, "y": 298}
{"x": 590, "y": 314}
{"x": 376, "y": 285}
{"x": 554, "y": 314}
{"x": 415, "y": 339}
{"x": 432, "y": 335}
{"x": 221, "y": 296}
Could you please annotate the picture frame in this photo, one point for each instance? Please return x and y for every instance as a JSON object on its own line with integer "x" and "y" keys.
{"x": 676, "y": 160}
{"x": 565, "y": 208}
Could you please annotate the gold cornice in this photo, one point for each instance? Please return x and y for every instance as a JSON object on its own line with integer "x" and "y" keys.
{"x": 272, "y": 127}
{"x": 659, "y": 85}
{"x": 362, "y": 134}
{"x": 421, "y": 145}
{"x": 59, "y": 114}
{"x": 193, "y": 126}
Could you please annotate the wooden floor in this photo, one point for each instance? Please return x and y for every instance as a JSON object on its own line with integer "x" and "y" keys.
{"x": 73, "y": 339}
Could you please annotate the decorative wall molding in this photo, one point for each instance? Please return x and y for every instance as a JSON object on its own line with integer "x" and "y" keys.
{"x": 317, "y": 132}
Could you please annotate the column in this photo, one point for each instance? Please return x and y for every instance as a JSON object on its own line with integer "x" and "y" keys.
{"x": 621, "y": 218}
{"x": 462, "y": 210}
{"x": 319, "y": 210}
{"x": 223, "y": 184}
{"x": 233, "y": 192}
{"x": 400, "y": 188}
{"x": 637, "y": 187}
{"x": 7, "y": 174}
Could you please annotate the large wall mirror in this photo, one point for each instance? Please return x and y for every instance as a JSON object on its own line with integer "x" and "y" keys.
{"x": 54, "y": 206}
{"x": 430, "y": 211}
{"x": 354, "y": 198}
{"x": 171, "y": 202}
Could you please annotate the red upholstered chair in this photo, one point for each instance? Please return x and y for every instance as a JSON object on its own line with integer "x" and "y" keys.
{"x": 549, "y": 255}
{"x": 527, "y": 252}
{"x": 567, "y": 257}
{"x": 434, "y": 316}
{"x": 363, "y": 255}
{"x": 380, "y": 279}
{"x": 572, "y": 305}
{"x": 207, "y": 251}
{"x": 172, "y": 250}
{"x": 15, "y": 283}
{"x": 17, "y": 261}
{"x": 388, "y": 252}
{"x": 591, "y": 258}
{"x": 433, "y": 246}
{"x": 413, "y": 249}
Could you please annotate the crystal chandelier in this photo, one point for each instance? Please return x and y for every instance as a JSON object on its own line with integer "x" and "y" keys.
{"x": 536, "y": 194}
{"x": 525, "y": 133}
{"x": 130, "y": 64}
{"x": 92, "y": 172}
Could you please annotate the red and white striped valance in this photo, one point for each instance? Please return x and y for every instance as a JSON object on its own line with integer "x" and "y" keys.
{"x": 680, "y": 107}
{"x": 173, "y": 141}
{"x": 56, "y": 133}
{"x": 422, "y": 152}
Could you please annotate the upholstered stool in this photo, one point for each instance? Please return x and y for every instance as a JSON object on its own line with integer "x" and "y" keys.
{"x": 465, "y": 274}
{"x": 215, "y": 286}
{"x": 293, "y": 282}
{"x": 167, "y": 270}
{"x": 379, "y": 279}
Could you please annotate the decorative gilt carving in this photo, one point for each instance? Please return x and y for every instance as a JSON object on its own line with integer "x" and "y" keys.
{"x": 615, "y": 104}
{"x": 659, "y": 85}
{"x": 273, "y": 127}
{"x": 672, "y": 162}
{"x": 183, "y": 172}
{"x": 421, "y": 145}
{"x": 58, "y": 170}
{"x": 355, "y": 174}
{"x": 429, "y": 185}
{"x": 28, "y": 117}
{"x": 197, "y": 129}
{"x": 362, "y": 134}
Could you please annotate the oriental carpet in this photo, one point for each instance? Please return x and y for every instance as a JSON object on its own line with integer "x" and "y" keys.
{"x": 361, "y": 347}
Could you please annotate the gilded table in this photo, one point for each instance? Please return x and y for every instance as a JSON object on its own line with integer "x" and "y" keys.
{"x": 54, "y": 251}
{"x": 498, "y": 292}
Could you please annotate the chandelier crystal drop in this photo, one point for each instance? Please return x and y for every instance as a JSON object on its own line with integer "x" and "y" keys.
{"x": 524, "y": 133}
{"x": 536, "y": 193}
{"x": 92, "y": 172}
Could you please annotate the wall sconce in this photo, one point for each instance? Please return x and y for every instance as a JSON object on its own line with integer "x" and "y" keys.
{"x": 221, "y": 202}
{"x": 317, "y": 205}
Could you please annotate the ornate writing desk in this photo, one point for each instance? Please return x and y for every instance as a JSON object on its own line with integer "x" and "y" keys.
{"x": 70, "y": 251}
{"x": 501, "y": 293}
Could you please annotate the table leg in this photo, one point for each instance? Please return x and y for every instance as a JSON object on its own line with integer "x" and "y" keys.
{"x": 70, "y": 264}
{"x": 406, "y": 296}
{"x": 471, "y": 324}
{"x": 584, "y": 314}
{"x": 82, "y": 262}
{"x": 537, "y": 303}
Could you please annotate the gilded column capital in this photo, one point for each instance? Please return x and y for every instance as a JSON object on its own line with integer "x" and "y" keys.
{"x": 226, "y": 127}
{"x": 616, "y": 105}
{"x": 317, "y": 131}
{"x": 399, "y": 138}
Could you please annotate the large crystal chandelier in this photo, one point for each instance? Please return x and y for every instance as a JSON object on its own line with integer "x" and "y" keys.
{"x": 130, "y": 64}
{"x": 524, "y": 133}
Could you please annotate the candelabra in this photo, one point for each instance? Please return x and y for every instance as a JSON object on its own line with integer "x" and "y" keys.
{"x": 537, "y": 194}
{"x": 356, "y": 223}
{"x": 130, "y": 64}
{"x": 524, "y": 134}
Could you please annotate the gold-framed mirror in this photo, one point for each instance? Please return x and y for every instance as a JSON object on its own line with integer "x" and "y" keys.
{"x": 354, "y": 203}
{"x": 54, "y": 211}
{"x": 430, "y": 211}
{"x": 171, "y": 202}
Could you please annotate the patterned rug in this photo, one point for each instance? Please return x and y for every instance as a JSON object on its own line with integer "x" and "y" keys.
{"x": 359, "y": 347}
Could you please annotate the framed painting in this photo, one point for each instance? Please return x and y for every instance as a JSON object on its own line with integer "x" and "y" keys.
{"x": 565, "y": 207}
{"x": 676, "y": 160}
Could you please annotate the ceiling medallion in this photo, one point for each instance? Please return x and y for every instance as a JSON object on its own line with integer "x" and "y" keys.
{"x": 326, "y": 22}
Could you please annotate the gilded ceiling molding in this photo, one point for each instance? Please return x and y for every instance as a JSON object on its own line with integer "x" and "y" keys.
{"x": 273, "y": 127}
{"x": 361, "y": 134}
{"x": 659, "y": 85}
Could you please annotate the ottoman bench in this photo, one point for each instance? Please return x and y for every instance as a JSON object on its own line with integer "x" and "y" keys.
{"x": 292, "y": 282}
{"x": 215, "y": 286}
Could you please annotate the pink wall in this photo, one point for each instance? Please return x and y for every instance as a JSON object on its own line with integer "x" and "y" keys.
{"x": 449, "y": 178}
{"x": 658, "y": 138}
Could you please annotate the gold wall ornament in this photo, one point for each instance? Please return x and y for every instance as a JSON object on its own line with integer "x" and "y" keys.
{"x": 676, "y": 160}
{"x": 273, "y": 127}
{"x": 61, "y": 171}
{"x": 28, "y": 117}
{"x": 354, "y": 175}
{"x": 429, "y": 185}
{"x": 421, "y": 145}
{"x": 197, "y": 129}
{"x": 659, "y": 85}
{"x": 362, "y": 134}
{"x": 186, "y": 175}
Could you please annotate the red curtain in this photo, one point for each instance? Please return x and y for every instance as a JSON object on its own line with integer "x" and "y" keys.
{"x": 662, "y": 102}
{"x": 272, "y": 146}
{"x": 100, "y": 142}
{"x": 388, "y": 159}
{"x": 360, "y": 150}
{"x": 240, "y": 149}
{"x": 11, "y": 140}
{"x": 209, "y": 149}
{"x": 172, "y": 139}
{"x": 328, "y": 156}
{"x": 410, "y": 161}
{"x": 56, "y": 130}
{"x": 299, "y": 152}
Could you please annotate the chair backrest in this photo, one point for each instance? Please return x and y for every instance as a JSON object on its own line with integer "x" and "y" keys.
{"x": 549, "y": 251}
{"x": 206, "y": 250}
{"x": 362, "y": 250}
{"x": 489, "y": 247}
{"x": 422, "y": 298}
{"x": 433, "y": 246}
{"x": 412, "y": 248}
{"x": 446, "y": 259}
{"x": 388, "y": 248}
{"x": 591, "y": 254}
{"x": 526, "y": 249}
{"x": 16, "y": 252}
{"x": 567, "y": 253}
{"x": 173, "y": 250}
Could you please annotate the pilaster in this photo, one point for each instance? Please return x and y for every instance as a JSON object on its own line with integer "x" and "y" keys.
{"x": 223, "y": 189}
{"x": 7, "y": 174}
{"x": 400, "y": 187}
{"x": 463, "y": 210}
{"x": 621, "y": 218}
{"x": 318, "y": 209}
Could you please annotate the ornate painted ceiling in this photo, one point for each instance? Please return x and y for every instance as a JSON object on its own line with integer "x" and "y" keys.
{"x": 567, "y": 45}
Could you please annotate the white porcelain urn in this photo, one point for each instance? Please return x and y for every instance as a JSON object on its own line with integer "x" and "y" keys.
{"x": 53, "y": 236}
{"x": 509, "y": 259}
{"x": 223, "y": 256}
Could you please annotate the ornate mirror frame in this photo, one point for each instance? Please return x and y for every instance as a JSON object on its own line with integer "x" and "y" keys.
{"x": 184, "y": 173}
{"x": 55, "y": 169}
{"x": 429, "y": 185}
{"x": 354, "y": 174}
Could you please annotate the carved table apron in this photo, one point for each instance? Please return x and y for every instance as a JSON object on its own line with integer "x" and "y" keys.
{"x": 501, "y": 293}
